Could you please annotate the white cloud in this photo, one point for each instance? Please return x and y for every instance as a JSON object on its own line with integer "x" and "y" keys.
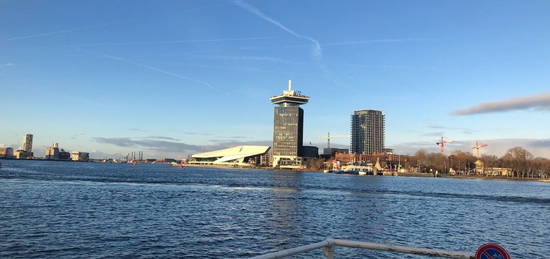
{"x": 372, "y": 41}
{"x": 129, "y": 43}
{"x": 317, "y": 51}
{"x": 541, "y": 101}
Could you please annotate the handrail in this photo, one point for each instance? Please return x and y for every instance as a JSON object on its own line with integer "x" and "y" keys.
{"x": 329, "y": 244}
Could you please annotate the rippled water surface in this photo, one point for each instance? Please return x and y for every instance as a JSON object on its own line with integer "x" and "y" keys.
{"x": 62, "y": 209}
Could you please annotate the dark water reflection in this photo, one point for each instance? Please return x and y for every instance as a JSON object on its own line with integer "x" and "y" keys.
{"x": 56, "y": 209}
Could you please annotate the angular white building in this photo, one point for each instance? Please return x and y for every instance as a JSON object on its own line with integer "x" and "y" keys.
{"x": 233, "y": 156}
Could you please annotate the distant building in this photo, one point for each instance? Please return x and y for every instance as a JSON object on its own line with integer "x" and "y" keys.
{"x": 25, "y": 152}
{"x": 165, "y": 160}
{"x": 371, "y": 158}
{"x": 491, "y": 171}
{"x": 6, "y": 152}
{"x": 388, "y": 150}
{"x": 288, "y": 128}
{"x": 80, "y": 156}
{"x": 234, "y": 156}
{"x": 22, "y": 154}
{"x": 310, "y": 151}
{"x": 64, "y": 155}
{"x": 332, "y": 151}
{"x": 27, "y": 143}
{"x": 52, "y": 152}
{"x": 367, "y": 132}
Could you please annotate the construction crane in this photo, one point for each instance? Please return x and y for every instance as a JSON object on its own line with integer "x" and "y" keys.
{"x": 477, "y": 148}
{"x": 442, "y": 144}
{"x": 328, "y": 137}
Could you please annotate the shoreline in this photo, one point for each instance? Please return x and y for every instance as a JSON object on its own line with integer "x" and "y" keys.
{"x": 478, "y": 177}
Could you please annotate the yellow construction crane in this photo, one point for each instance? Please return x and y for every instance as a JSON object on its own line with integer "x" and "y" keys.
{"x": 329, "y": 137}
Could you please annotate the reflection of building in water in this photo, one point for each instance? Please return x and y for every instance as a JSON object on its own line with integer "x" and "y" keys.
{"x": 286, "y": 214}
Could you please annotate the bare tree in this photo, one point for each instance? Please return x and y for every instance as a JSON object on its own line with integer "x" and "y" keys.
{"x": 517, "y": 159}
{"x": 520, "y": 161}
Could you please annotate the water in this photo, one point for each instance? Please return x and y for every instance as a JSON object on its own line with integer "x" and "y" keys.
{"x": 60, "y": 209}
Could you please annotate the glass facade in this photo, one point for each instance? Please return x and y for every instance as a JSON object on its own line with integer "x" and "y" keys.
{"x": 288, "y": 131}
{"x": 367, "y": 132}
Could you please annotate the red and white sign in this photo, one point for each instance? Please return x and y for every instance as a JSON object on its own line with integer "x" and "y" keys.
{"x": 492, "y": 251}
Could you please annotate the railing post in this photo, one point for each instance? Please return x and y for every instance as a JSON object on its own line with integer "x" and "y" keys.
{"x": 329, "y": 251}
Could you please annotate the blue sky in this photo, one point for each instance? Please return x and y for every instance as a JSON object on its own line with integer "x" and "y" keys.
{"x": 175, "y": 77}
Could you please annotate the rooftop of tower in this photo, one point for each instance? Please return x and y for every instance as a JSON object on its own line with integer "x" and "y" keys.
{"x": 290, "y": 96}
{"x": 367, "y": 111}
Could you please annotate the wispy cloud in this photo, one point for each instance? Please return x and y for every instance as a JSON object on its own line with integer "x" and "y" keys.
{"x": 129, "y": 43}
{"x": 433, "y": 134}
{"x": 541, "y": 143}
{"x": 75, "y": 136}
{"x": 250, "y": 58}
{"x": 162, "y": 71}
{"x": 541, "y": 101}
{"x": 228, "y": 139}
{"x": 150, "y": 144}
{"x": 6, "y": 65}
{"x": 50, "y": 33}
{"x": 172, "y": 146}
{"x": 372, "y": 41}
{"x": 317, "y": 51}
{"x": 162, "y": 137}
{"x": 222, "y": 143}
{"x": 137, "y": 130}
{"x": 193, "y": 133}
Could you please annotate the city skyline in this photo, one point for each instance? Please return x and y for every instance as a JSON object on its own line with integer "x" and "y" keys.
{"x": 115, "y": 78}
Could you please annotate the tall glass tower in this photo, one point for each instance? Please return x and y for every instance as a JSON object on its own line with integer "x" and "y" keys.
{"x": 288, "y": 128}
{"x": 367, "y": 132}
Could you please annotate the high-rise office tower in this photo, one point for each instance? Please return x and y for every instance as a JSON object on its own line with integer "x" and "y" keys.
{"x": 288, "y": 127}
{"x": 367, "y": 132}
{"x": 27, "y": 143}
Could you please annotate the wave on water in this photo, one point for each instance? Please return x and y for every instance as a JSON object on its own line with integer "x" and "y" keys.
{"x": 260, "y": 187}
{"x": 19, "y": 170}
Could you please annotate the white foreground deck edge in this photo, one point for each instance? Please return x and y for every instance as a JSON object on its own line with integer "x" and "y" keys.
{"x": 329, "y": 244}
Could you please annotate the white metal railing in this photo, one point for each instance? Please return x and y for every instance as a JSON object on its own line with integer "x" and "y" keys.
{"x": 329, "y": 244}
